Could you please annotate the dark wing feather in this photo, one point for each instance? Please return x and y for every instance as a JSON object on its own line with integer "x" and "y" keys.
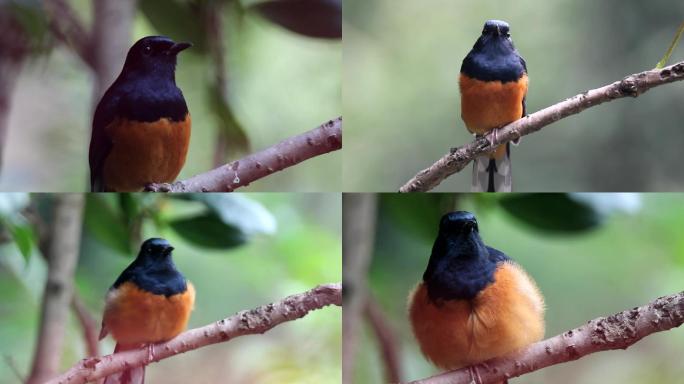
{"x": 524, "y": 102}
{"x": 100, "y": 144}
{"x": 497, "y": 256}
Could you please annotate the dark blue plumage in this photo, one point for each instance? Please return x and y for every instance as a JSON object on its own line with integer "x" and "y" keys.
{"x": 460, "y": 265}
{"x": 153, "y": 270}
{"x": 493, "y": 57}
{"x": 145, "y": 91}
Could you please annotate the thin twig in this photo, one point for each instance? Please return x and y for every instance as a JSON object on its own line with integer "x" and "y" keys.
{"x": 239, "y": 173}
{"x": 389, "y": 344}
{"x": 13, "y": 367}
{"x": 673, "y": 44}
{"x": 255, "y": 321}
{"x": 632, "y": 85}
{"x": 618, "y": 331}
{"x": 88, "y": 325}
{"x": 69, "y": 29}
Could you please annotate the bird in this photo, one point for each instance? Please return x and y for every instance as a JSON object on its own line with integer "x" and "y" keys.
{"x": 150, "y": 302}
{"x": 141, "y": 127}
{"x": 493, "y": 84}
{"x": 474, "y": 302}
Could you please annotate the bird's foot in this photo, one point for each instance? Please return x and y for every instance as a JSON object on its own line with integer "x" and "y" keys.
{"x": 475, "y": 377}
{"x": 493, "y": 137}
{"x": 150, "y": 353}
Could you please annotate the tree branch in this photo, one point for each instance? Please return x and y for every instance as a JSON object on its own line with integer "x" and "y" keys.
{"x": 618, "y": 331}
{"x": 62, "y": 256}
{"x": 358, "y": 237}
{"x": 111, "y": 37}
{"x": 213, "y": 25}
{"x": 239, "y": 173}
{"x": 89, "y": 325}
{"x": 255, "y": 321}
{"x": 387, "y": 340}
{"x": 68, "y": 28}
{"x": 633, "y": 86}
{"x": 14, "y": 49}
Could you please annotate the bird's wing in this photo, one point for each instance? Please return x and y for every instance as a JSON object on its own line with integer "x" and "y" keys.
{"x": 524, "y": 104}
{"x": 496, "y": 255}
{"x": 100, "y": 144}
{"x": 103, "y": 331}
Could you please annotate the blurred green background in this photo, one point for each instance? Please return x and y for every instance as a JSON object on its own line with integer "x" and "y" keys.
{"x": 401, "y": 64}
{"x": 591, "y": 255}
{"x": 245, "y": 251}
{"x": 279, "y": 84}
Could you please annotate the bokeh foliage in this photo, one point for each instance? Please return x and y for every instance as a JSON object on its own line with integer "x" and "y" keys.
{"x": 628, "y": 251}
{"x": 242, "y": 251}
{"x": 400, "y": 74}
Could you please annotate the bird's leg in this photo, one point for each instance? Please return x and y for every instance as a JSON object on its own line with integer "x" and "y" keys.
{"x": 475, "y": 377}
{"x": 150, "y": 352}
{"x": 492, "y": 137}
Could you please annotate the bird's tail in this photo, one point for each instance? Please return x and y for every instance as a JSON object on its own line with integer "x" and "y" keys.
{"x": 130, "y": 376}
{"x": 492, "y": 173}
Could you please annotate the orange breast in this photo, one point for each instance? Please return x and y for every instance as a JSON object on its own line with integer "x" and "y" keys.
{"x": 505, "y": 316}
{"x": 486, "y": 105}
{"x": 135, "y": 317}
{"x": 144, "y": 153}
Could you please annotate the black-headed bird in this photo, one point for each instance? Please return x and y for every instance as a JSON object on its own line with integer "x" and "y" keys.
{"x": 474, "y": 302}
{"x": 149, "y": 303}
{"x": 493, "y": 84}
{"x": 141, "y": 128}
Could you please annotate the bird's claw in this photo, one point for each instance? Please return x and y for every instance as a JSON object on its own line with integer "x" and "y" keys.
{"x": 475, "y": 377}
{"x": 150, "y": 353}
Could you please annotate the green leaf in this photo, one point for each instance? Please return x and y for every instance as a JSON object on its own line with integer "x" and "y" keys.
{"x": 667, "y": 55}
{"x": 237, "y": 141}
{"x": 29, "y": 272}
{"x": 106, "y": 224}
{"x": 179, "y": 20}
{"x": 552, "y": 212}
{"x": 208, "y": 231}
{"x": 239, "y": 211}
{"x": 130, "y": 204}
{"x": 312, "y": 18}
{"x": 24, "y": 237}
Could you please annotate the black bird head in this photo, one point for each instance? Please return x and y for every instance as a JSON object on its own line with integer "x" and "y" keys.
{"x": 154, "y": 54}
{"x": 495, "y": 36}
{"x": 496, "y": 27}
{"x": 459, "y": 265}
{"x": 493, "y": 57}
{"x": 459, "y": 222}
{"x": 155, "y": 249}
{"x": 153, "y": 270}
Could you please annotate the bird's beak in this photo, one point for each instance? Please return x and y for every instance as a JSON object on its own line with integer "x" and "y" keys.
{"x": 167, "y": 250}
{"x": 177, "y": 47}
{"x": 498, "y": 31}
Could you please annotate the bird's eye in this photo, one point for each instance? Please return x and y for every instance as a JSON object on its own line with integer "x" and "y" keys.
{"x": 147, "y": 49}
